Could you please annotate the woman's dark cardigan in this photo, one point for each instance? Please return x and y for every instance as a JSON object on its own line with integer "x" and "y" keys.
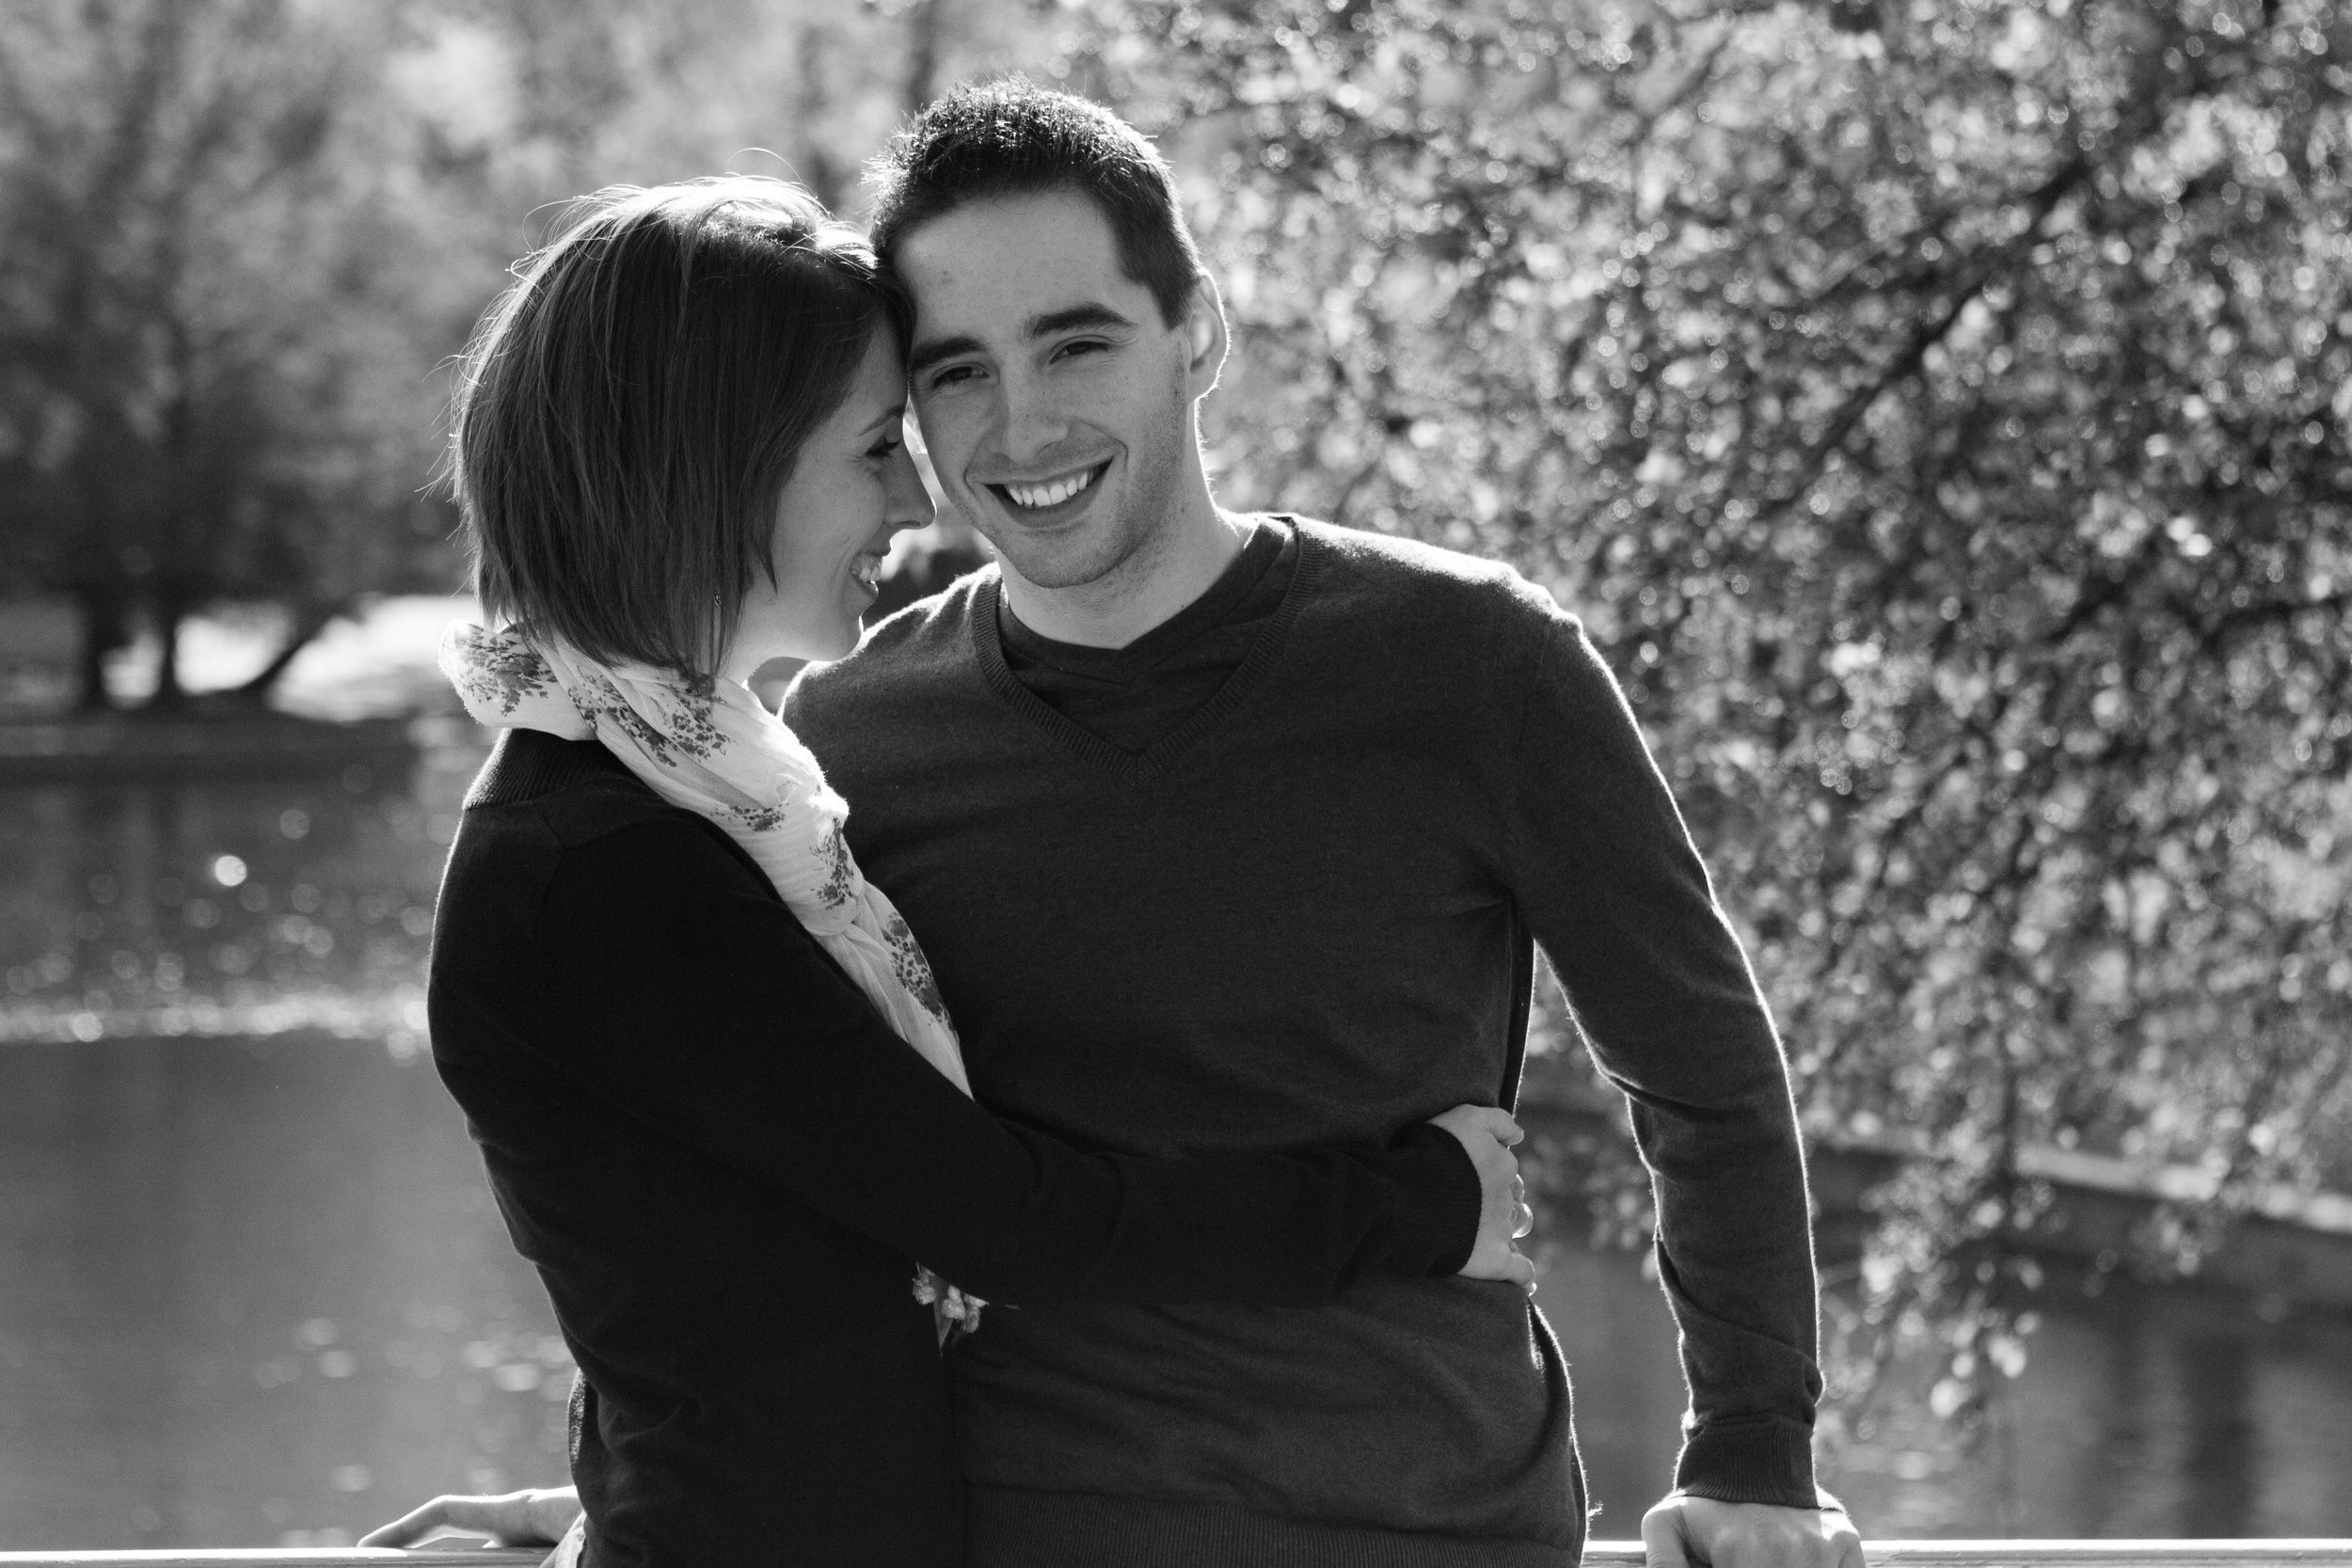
{"x": 723, "y": 1163}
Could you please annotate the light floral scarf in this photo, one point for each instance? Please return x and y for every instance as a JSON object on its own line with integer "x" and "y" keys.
{"x": 711, "y": 748}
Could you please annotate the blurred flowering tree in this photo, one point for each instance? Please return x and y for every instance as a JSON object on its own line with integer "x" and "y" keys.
{"x": 1941, "y": 411}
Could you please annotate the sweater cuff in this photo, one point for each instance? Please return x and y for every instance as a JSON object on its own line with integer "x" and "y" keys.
{"x": 1438, "y": 1201}
{"x": 1762, "y": 1460}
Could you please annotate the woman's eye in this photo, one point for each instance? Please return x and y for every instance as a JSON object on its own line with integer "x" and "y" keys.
{"x": 884, "y": 447}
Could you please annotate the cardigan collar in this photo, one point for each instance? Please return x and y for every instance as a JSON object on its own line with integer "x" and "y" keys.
{"x": 527, "y": 764}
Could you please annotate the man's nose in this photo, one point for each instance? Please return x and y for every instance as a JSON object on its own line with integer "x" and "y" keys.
{"x": 1030, "y": 419}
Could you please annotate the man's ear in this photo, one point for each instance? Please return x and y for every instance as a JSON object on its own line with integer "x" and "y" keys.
{"x": 1207, "y": 341}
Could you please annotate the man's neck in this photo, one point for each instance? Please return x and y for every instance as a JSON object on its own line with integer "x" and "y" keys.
{"x": 1143, "y": 592}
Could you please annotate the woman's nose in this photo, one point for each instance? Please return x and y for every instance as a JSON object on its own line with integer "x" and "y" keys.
{"x": 906, "y": 498}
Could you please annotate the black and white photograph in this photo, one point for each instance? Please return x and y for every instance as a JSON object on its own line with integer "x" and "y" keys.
{"x": 1176, "y": 784}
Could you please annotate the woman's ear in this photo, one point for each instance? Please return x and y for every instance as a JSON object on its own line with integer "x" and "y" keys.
{"x": 1207, "y": 341}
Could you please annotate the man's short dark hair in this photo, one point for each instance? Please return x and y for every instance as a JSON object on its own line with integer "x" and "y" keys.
{"x": 987, "y": 142}
{"x": 629, "y": 411}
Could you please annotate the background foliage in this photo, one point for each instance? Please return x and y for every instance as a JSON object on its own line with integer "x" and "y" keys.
{"x": 213, "y": 328}
{"x": 1938, "y": 409}
{"x": 240, "y": 239}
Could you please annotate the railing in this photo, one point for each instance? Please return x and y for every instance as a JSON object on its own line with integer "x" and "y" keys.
{"x": 276, "y": 1557}
{"x": 1598, "y": 1554}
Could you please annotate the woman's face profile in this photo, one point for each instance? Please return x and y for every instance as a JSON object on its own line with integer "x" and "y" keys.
{"x": 853, "y": 486}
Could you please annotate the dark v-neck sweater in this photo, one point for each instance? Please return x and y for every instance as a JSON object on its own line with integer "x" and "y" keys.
{"x": 724, "y": 1163}
{"x": 1295, "y": 914}
{"x": 1134, "y": 697}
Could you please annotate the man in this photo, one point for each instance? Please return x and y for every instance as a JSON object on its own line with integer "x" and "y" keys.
{"x": 1273, "y": 808}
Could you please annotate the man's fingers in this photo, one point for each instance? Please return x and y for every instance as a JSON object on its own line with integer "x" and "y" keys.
{"x": 1699, "y": 1532}
{"x": 1496, "y": 1124}
{"x": 1662, "y": 1540}
{"x": 1520, "y": 1271}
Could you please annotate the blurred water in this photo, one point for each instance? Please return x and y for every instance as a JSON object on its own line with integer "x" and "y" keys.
{"x": 251, "y": 1283}
{"x": 252, "y": 1290}
{"x": 2142, "y": 1411}
{"x": 225, "y": 907}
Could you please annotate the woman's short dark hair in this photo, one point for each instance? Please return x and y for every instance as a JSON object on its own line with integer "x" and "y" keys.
{"x": 989, "y": 140}
{"x": 631, "y": 408}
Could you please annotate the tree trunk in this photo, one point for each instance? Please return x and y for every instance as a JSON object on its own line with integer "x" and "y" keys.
{"x": 103, "y": 632}
{"x": 169, "y": 612}
{"x": 307, "y": 626}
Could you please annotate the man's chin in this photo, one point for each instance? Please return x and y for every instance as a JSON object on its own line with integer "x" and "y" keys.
{"x": 1058, "y": 566}
{"x": 1062, "y": 580}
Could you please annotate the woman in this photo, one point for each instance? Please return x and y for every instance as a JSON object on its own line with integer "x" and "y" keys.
{"x": 716, "y": 1090}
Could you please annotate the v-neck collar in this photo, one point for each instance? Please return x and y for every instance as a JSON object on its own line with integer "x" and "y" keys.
{"x": 1137, "y": 768}
{"x": 1119, "y": 666}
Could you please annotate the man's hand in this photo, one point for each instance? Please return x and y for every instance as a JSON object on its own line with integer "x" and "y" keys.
{"x": 1700, "y": 1533}
{"x": 534, "y": 1518}
{"x": 1503, "y": 1215}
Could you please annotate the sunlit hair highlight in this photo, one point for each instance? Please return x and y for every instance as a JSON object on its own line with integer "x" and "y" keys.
{"x": 631, "y": 409}
{"x": 988, "y": 141}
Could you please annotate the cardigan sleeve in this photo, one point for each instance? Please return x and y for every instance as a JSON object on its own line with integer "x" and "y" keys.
{"x": 1605, "y": 874}
{"x": 691, "y": 999}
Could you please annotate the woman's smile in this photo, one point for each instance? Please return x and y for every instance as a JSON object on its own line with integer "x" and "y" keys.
{"x": 866, "y": 569}
{"x": 852, "y": 488}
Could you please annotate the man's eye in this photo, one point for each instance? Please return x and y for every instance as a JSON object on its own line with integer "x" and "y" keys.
{"x": 951, "y": 375}
{"x": 1083, "y": 345}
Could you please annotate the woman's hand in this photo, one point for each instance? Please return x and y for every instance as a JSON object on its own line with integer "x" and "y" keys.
{"x": 1503, "y": 1215}
{"x": 537, "y": 1517}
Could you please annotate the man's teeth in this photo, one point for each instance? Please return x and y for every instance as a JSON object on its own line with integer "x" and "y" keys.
{"x": 1054, "y": 494}
{"x": 868, "y": 570}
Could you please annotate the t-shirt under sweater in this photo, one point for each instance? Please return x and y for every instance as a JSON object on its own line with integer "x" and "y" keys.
{"x": 1291, "y": 917}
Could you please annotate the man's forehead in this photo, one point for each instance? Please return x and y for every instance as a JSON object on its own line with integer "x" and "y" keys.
{"x": 1012, "y": 224}
{"x": 996, "y": 267}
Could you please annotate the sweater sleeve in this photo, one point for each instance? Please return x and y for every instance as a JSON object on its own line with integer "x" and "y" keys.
{"x": 691, "y": 999}
{"x": 1605, "y": 874}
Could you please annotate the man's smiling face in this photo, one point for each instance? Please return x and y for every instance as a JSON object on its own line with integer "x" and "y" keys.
{"x": 1055, "y": 401}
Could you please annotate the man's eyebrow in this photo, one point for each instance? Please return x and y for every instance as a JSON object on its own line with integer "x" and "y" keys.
{"x": 928, "y": 355}
{"x": 1073, "y": 318}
